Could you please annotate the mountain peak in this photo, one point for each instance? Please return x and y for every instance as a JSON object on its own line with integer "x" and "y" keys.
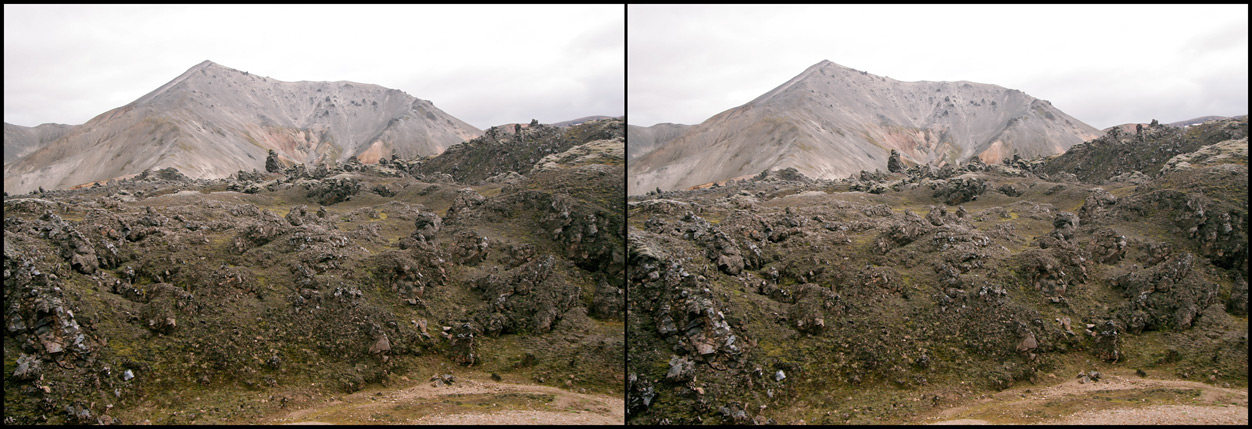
{"x": 207, "y": 65}
{"x": 831, "y": 65}
{"x": 831, "y": 121}
{"x": 224, "y": 120}
{"x": 822, "y": 69}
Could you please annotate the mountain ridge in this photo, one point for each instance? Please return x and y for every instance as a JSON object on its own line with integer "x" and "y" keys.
{"x": 20, "y": 140}
{"x": 212, "y": 121}
{"x": 641, "y": 140}
{"x": 831, "y": 121}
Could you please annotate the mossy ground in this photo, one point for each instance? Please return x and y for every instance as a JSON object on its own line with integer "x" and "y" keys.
{"x": 255, "y": 341}
{"x": 863, "y": 368}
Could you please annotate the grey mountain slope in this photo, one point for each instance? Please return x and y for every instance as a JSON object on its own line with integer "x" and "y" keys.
{"x": 641, "y": 140}
{"x": 832, "y": 121}
{"x": 212, "y": 121}
{"x": 19, "y": 140}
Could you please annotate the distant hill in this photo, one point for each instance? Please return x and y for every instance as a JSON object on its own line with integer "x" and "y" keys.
{"x": 1130, "y": 126}
{"x": 1120, "y": 152}
{"x": 19, "y": 140}
{"x": 641, "y": 140}
{"x": 832, "y": 121}
{"x": 581, "y": 120}
{"x": 1197, "y": 121}
{"x": 500, "y": 150}
{"x": 212, "y": 121}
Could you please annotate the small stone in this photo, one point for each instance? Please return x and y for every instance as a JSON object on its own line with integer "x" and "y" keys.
{"x": 780, "y": 376}
{"x": 1028, "y": 343}
{"x": 705, "y": 348}
{"x": 126, "y": 376}
{"x": 383, "y": 345}
{"x": 28, "y": 368}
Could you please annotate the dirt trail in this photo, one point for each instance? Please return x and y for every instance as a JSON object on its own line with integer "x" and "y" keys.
{"x": 1115, "y": 399}
{"x": 465, "y": 402}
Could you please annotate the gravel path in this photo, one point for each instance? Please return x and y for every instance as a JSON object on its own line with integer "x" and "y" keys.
{"x": 578, "y": 408}
{"x": 1216, "y": 405}
{"x": 521, "y": 417}
{"x": 1159, "y": 415}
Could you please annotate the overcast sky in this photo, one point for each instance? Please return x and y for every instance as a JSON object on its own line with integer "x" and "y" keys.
{"x": 1105, "y": 65}
{"x": 485, "y": 64}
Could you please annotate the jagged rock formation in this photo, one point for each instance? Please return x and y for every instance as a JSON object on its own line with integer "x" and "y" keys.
{"x": 212, "y": 121}
{"x": 1146, "y": 150}
{"x": 831, "y": 121}
{"x": 500, "y": 150}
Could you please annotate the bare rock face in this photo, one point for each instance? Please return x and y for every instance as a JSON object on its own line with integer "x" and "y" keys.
{"x": 527, "y": 299}
{"x": 1238, "y": 304}
{"x": 383, "y": 345}
{"x": 1108, "y": 341}
{"x": 832, "y": 121}
{"x": 427, "y": 224}
{"x": 271, "y": 162}
{"x": 334, "y": 190}
{"x": 894, "y": 164}
{"x": 960, "y": 190}
{"x": 609, "y": 301}
{"x": 28, "y": 367}
{"x": 1170, "y": 295}
{"x": 213, "y": 121}
{"x": 462, "y": 344}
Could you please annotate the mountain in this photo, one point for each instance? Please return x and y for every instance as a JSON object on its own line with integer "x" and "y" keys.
{"x": 19, "y": 140}
{"x": 831, "y": 121}
{"x": 641, "y": 140}
{"x": 1128, "y": 127}
{"x": 213, "y": 121}
{"x": 1197, "y": 121}
{"x": 581, "y": 120}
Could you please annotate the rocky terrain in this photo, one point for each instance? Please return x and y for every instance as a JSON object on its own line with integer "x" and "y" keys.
{"x": 832, "y": 121}
{"x": 900, "y": 291}
{"x": 164, "y": 298}
{"x": 212, "y": 121}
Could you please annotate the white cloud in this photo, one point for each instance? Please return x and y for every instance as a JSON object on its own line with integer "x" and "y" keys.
{"x": 485, "y": 64}
{"x": 1104, "y": 64}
